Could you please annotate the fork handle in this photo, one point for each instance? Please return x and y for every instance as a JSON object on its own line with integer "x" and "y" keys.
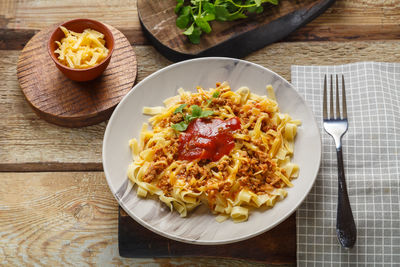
{"x": 345, "y": 226}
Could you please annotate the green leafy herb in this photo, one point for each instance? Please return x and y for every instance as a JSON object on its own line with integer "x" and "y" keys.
{"x": 194, "y": 37}
{"x": 182, "y": 126}
{"x": 206, "y": 113}
{"x": 215, "y": 95}
{"x": 196, "y": 112}
{"x": 178, "y": 6}
{"x": 194, "y": 16}
{"x": 180, "y": 109}
{"x": 203, "y": 24}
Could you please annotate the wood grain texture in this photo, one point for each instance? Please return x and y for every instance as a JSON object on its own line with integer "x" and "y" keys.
{"x": 354, "y": 20}
{"x": 61, "y": 101}
{"x": 345, "y": 20}
{"x": 30, "y": 15}
{"x": 65, "y": 218}
{"x": 277, "y": 246}
{"x": 68, "y": 219}
{"x": 236, "y": 38}
{"x": 27, "y": 139}
{"x": 28, "y": 143}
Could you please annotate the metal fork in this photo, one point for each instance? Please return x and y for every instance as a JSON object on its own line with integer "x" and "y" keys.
{"x": 336, "y": 126}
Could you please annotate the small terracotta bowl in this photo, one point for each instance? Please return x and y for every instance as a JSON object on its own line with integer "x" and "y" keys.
{"x": 79, "y": 25}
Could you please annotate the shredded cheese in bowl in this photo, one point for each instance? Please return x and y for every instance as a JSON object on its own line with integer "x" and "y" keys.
{"x": 81, "y": 50}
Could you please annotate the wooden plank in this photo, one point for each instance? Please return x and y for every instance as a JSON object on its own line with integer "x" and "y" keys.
{"x": 26, "y": 139}
{"x": 69, "y": 219}
{"x": 345, "y": 20}
{"x": 50, "y": 166}
{"x": 316, "y": 32}
{"x": 354, "y": 20}
{"x": 22, "y": 19}
{"x": 11, "y": 39}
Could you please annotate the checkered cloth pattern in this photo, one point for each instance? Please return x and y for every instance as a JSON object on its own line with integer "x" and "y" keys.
{"x": 371, "y": 151}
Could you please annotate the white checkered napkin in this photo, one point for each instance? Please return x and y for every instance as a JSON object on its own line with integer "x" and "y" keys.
{"x": 371, "y": 150}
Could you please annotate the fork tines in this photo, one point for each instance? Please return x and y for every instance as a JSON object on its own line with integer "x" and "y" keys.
{"x": 331, "y": 106}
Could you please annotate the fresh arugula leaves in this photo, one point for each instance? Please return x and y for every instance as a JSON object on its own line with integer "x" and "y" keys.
{"x": 196, "y": 112}
{"x": 194, "y": 16}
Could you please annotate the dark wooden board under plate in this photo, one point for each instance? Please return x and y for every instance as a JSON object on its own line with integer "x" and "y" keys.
{"x": 232, "y": 39}
{"x": 277, "y": 246}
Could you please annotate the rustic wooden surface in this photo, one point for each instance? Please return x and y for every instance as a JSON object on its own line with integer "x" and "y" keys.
{"x": 345, "y": 20}
{"x": 55, "y": 205}
{"x": 61, "y": 101}
{"x": 231, "y": 38}
{"x": 66, "y": 219}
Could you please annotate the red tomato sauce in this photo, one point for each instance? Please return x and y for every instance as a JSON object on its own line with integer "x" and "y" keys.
{"x": 208, "y": 139}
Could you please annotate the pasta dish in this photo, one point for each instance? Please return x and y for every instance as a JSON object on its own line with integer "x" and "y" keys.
{"x": 229, "y": 150}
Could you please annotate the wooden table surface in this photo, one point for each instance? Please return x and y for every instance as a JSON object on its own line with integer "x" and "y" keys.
{"x": 55, "y": 205}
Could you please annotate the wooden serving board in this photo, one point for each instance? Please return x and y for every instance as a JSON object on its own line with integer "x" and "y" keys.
{"x": 232, "y": 39}
{"x": 277, "y": 246}
{"x": 64, "y": 102}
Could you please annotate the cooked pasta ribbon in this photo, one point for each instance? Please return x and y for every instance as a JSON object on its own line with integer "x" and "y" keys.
{"x": 253, "y": 174}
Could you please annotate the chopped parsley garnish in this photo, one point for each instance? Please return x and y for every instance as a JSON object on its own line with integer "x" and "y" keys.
{"x": 180, "y": 109}
{"x": 196, "y": 112}
{"x": 215, "y": 95}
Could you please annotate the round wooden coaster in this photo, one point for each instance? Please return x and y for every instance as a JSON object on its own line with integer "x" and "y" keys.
{"x": 64, "y": 102}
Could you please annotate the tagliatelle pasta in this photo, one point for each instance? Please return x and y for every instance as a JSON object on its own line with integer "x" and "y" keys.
{"x": 228, "y": 150}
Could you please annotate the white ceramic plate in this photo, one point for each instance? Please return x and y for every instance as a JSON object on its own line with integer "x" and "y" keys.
{"x": 200, "y": 226}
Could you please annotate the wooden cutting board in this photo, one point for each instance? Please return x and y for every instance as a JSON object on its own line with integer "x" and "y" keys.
{"x": 232, "y": 39}
{"x": 61, "y": 101}
{"x": 277, "y": 246}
